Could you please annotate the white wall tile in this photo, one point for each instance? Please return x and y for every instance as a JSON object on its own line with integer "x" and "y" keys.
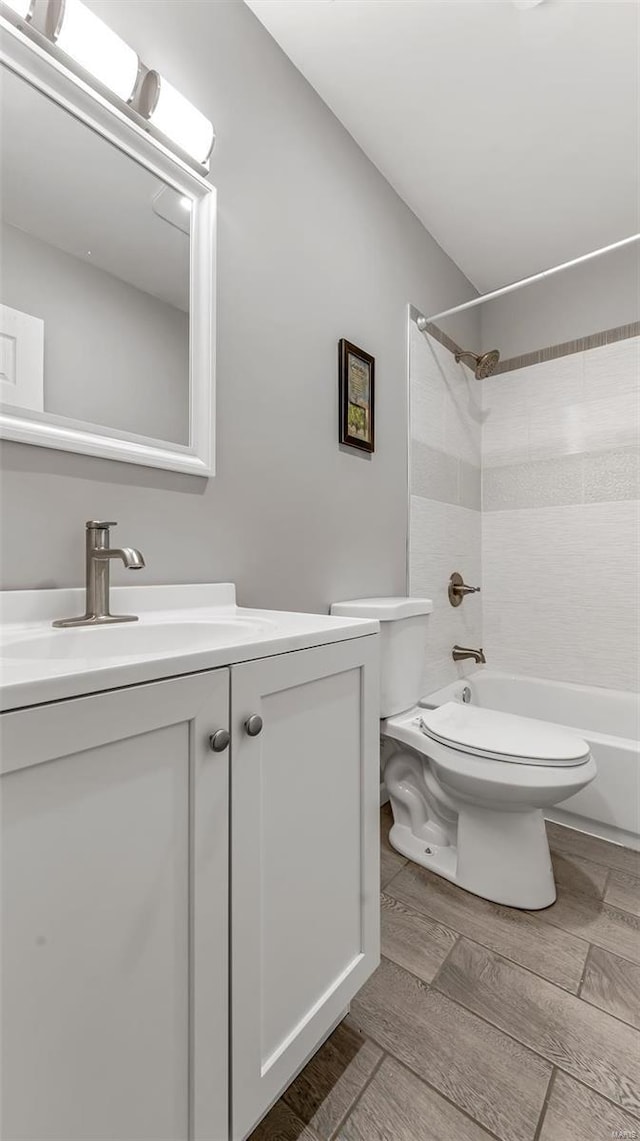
{"x": 505, "y": 438}
{"x": 463, "y": 421}
{"x": 427, "y": 413}
{"x": 506, "y": 395}
{"x": 446, "y": 538}
{"x": 590, "y": 426}
{"x": 446, "y": 432}
{"x": 434, "y": 474}
{"x": 559, "y": 545}
{"x": 557, "y": 432}
{"x": 470, "y": 486}
{"x": 584, "y": 402}
{"x": 427, "y": 392}
{"x": 552, "y": 384}
{"x": 561, "y": 592}
{"x": 612, "y": 368}
{"x": 446, "y": 401}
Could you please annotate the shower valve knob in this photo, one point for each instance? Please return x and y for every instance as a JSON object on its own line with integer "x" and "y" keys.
{"x": 458, "y": 589}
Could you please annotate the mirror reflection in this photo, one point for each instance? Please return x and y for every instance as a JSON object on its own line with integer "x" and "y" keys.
{"x": 94, "y": 288}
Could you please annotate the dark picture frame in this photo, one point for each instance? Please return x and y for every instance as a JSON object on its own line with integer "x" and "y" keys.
{"x": 356, "y": 374}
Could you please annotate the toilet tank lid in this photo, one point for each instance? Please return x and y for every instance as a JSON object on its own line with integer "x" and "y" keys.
{"x": 384, "y": 609}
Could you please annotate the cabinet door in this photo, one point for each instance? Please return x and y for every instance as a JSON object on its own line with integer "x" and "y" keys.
{"x": 304, "y": 851}
{"x": 114, "y": 916}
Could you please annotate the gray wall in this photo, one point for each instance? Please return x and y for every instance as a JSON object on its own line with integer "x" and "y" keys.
{"x": 592, "y": 297}
{"x": 113, "y": 355}
{"x": 314, "y": 245}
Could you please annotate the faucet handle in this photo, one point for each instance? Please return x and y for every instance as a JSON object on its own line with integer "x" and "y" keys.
{"x": 95, "y": 525}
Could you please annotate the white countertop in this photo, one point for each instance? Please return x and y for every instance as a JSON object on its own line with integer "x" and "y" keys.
{"x": 39, "y": 663}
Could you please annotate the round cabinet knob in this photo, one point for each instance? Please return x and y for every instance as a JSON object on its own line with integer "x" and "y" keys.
{"x": 219, "y": 741}
{"x": 253, "y": 725}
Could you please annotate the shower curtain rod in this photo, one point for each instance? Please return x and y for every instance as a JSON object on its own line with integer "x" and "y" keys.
{"x": 535, "y": 277}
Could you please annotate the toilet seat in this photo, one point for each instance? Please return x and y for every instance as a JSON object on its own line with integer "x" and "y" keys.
{"x": 501, "y": 737}
{"x": 494, "y": 777}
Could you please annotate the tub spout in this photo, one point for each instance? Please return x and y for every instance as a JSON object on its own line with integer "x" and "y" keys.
{"x": 461, "y": 653}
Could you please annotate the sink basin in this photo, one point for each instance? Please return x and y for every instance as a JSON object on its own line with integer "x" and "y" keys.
{"x": 130, "y": 640}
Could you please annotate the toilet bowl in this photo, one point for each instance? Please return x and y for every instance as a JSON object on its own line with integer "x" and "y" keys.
{"x": 485, "y": 784}
{"x": 467, "y": 786}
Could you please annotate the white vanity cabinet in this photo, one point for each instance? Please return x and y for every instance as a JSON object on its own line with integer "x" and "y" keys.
{"x": 161, "y": 900}
{"x": 304, "y": 857}
{"x": 115, "y": 842}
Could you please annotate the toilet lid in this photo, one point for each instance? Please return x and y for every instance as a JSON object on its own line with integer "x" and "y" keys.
{"x": 502, "y": 736}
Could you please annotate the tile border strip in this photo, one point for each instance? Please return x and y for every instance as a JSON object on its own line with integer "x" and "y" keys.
{"x": 550, "y": 352}
{"x": 566, "y": 348}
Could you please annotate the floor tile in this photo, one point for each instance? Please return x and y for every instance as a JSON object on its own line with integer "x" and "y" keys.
{"x": 575, "y": 1113}
{"x": 623, "y": 891}
{"x": 325, "y": 1090}
{"x": 281, "y": 1124}
{"x": 519, "y": 935}
{"x": 613, "y": 984}
{"x": 397, "y": 1106}
{"x": 390, "y": 861}
{"x": 386, "y": 823}
{"x": 563, "y": 839}
{"x": 578, "y": 875}
{"x": 470, "y": 1062}
{"x": 390, "y": 865}
{"x": 585, "y": 1042}
{"x": 596, "y": 922}
{"x": 412, "y": 940}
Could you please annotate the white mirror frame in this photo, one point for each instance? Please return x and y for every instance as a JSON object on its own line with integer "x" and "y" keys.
{"x": 27, "y": 59}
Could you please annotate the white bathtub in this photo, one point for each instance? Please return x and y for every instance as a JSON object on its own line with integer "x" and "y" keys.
{"x": 608, "y": 719}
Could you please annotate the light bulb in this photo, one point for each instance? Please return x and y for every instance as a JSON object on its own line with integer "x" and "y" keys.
{"x": 93, "y": 45}
{"x": 176, "y": 117}
{"x": 22, "y": 8}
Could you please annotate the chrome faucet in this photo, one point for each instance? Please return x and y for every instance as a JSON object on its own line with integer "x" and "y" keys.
{"x": 460, "y": 653}
{"x": 98, "y": 554}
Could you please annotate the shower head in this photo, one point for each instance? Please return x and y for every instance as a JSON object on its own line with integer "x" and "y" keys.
{"x": 485, "y": 362}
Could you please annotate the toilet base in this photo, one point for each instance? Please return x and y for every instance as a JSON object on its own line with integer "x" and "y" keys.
{"x": 501, "y": 856}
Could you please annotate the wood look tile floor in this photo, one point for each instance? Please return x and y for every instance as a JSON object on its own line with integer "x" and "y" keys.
{"x": 487, "y": 1022}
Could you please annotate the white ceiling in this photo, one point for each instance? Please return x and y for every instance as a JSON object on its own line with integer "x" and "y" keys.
{"x": 511, "y": 133}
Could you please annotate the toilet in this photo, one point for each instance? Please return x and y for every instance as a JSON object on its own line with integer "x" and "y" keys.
{"x": 468, "y": 786}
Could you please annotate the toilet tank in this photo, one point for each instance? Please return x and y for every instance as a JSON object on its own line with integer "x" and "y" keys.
{"x": 403, "y": 640}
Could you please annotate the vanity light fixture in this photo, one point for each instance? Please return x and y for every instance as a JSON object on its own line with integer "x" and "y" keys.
{"x": 99, "y": 52}
{"x": 177, "y": 118}
{"x": 91, "y": 43}
{"x": 22, "y": 8}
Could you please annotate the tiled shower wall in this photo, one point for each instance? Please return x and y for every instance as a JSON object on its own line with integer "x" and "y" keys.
{"x": 555, "y": 545}
{"x": 445, "y": 489}
{"x": 561, "y": 517}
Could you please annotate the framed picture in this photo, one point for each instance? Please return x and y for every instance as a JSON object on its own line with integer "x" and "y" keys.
{"x": 356, "y": 374}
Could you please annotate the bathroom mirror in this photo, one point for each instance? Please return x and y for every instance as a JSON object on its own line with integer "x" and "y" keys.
{"x": 107, "y": 283}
